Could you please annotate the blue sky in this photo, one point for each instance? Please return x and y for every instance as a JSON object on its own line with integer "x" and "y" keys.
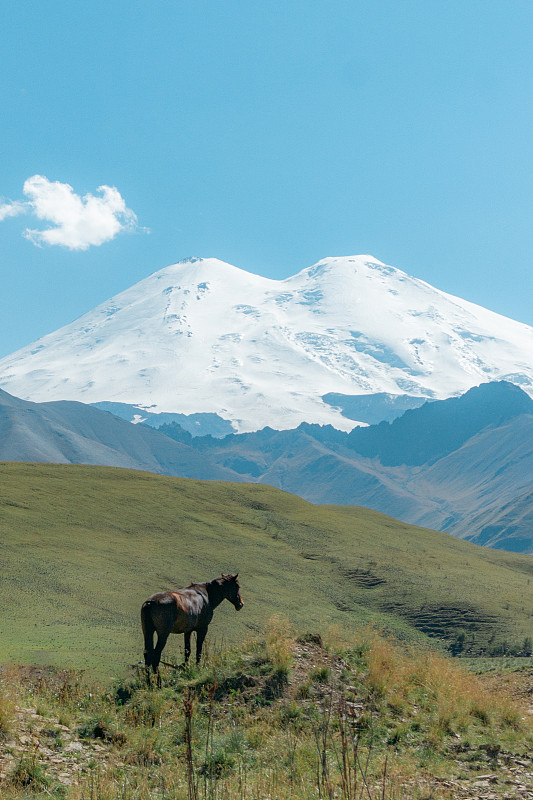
{"x": 269, "y": 135}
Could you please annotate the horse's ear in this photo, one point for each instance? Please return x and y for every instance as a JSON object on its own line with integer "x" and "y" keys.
{"x": 235, "y": 576}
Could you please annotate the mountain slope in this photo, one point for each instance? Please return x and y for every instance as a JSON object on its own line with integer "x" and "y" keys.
{"x": 482, "y": 486}
{"x": 477, "y": 489}
{"x": 508, "y": 527}
{"x": 74, "y": 433}
{"x": 204, "y": 337}
{"x": 92, "y": 564}
{"x": 424, "y": 434}
{"x": 451, "y": 465}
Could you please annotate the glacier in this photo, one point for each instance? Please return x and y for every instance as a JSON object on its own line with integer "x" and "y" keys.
{"x": 203, "y": 336}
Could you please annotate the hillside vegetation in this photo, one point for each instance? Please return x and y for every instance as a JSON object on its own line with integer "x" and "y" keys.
{"x": 82, "y": 547}
{"x": 279, "y": 717}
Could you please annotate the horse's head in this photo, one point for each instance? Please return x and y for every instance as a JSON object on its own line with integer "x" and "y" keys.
{"x": 232, "y": 590}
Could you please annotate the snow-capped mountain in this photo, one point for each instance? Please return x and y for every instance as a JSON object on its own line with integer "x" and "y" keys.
{"x": 204, "y": 336}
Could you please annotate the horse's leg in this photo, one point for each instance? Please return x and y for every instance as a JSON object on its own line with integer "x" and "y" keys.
{"x": 200, "y": 636}
{"x": 148, "y": 676}
{"x": 187, "y": 637}
{"x": 148, "y": 628}
{"x": 162, "y": 637}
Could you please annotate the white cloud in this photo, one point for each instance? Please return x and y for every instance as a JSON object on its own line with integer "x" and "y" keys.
{"x": 10, "y": 209}
{"x": 79, "y": 221}
{"x": 76, "y": 222}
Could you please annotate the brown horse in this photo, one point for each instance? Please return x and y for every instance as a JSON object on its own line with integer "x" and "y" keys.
{"x": 184, "y": 611}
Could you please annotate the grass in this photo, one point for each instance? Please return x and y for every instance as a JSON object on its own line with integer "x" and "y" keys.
{"x": 379, "y": 720}
{"x": 6, "y": 713}
{"x": 82, "y": 547}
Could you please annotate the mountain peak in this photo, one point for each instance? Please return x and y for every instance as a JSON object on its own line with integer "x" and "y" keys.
{"x": 193, "y": 269}
{"x": 205, "y": 336}
{"x": 356, "y": 269}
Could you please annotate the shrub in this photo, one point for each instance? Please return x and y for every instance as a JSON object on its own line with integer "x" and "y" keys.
{"x": 320, "y": 674}
{"x": 218, "y": 764}
{"x": 28, "y": 773}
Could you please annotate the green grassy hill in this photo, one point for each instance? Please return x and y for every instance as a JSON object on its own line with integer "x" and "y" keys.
{"x": 82, "y": 547}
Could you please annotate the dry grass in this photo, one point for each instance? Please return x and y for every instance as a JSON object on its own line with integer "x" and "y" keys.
{"x": 7, "y": 705}
{"x": 377, "y": 721}
{"x": 279, "y": 642}
{"x": 6, "y": 713}
{"x": 450, "y": 699}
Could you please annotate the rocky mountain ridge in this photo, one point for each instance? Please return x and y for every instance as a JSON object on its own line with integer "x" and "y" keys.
{"x": 462, "y": 465}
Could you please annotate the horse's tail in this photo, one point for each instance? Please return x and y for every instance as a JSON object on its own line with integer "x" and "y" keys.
{"x": 148, "y": 632}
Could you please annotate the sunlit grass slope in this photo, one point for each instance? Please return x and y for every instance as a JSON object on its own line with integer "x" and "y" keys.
{"x": 82, "y": 547}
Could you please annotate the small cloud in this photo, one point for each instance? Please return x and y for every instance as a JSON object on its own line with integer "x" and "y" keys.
{"x": 77, "y": 222}
{"x": 10, "y": 209}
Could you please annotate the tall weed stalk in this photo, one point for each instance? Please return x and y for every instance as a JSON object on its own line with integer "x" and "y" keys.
{"x": 188, "y": 711}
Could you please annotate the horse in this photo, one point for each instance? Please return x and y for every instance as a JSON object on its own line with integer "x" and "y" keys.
{"x": 184, "y": 611}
